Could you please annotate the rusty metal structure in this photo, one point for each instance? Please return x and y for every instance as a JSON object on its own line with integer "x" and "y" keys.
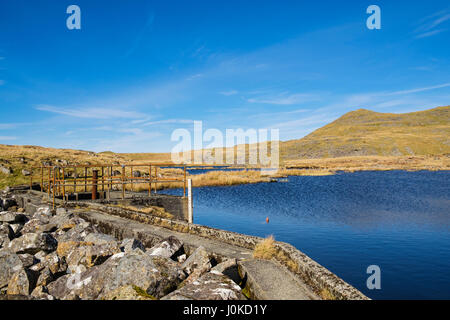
{"x": 63, "y": 181}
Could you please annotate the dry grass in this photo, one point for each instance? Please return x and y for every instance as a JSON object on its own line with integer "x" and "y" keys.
{"x": 325, "y": 294}
{"x": 351, "y": 164}
{"x": 265, "y": 249}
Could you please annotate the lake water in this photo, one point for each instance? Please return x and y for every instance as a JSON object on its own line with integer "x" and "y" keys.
{"x": 397, "y": 220}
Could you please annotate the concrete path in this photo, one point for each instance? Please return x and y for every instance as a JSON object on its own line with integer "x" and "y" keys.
{"x": 124, "y": 228}
{"x": 266, "y": 279}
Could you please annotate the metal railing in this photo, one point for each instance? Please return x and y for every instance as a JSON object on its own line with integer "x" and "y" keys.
{"x": 58, "y": 181}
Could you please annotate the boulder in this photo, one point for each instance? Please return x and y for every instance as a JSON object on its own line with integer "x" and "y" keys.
{"x": 53, "y": 262}
{"x": 27, "y": 259}
{"x": 10, "y": 263}
{"x": 4, "y": 241}
{"x": 100, "y": 238}
{"x": 45, "y": 277}
{"x": 211, "y": 286}
{"x": 129, "y": 245}
{"x": 8, "y": 203}
{"x": 37, "y": 226}
{"x": 129, "y": 292}
{"x": 22, "y": 282}
{"x": 199, "y": 259}
{"x": 156, "y": 276}
{"x": 33, "y": 243}
{"x": 26, "y": 172}
{"x": 6, "y": 170}
{"x": 182, "y": 258}
{"x": 41, "y": 293}
{"x": 12, "y": 217}
{"x": 166, "y": 248}
{"x": 87, "y": 254}
{"x": 6, "y": 230}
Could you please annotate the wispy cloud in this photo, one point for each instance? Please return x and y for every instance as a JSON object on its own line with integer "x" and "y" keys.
{"x": 415, "y": 90}
{"x": 168, "y": 121}
{"x": 430, "y": 24}
{"x": 285, "y": 99}
{"x": 91, "y": 112}
{"x": 228, "y": 93}
{"x": 7, "y": 138}
{"x": 5, "y": 126}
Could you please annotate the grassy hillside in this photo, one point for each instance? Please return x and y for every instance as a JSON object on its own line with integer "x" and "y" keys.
{"x": 359, "y": 140}
{"x": 364, "y": 133}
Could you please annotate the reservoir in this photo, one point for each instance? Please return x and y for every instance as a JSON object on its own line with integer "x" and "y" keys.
{"x": 397, "y": 220}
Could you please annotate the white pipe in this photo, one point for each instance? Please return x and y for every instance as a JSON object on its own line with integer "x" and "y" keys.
{"x": 190, "y": 206}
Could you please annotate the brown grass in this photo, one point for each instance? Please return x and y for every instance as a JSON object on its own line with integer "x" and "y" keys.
{"x": 265, "y": 249}
{"x": 325, "y": 294}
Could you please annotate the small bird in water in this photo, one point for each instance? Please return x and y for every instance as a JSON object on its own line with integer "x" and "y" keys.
{"x": 267, "y": 219}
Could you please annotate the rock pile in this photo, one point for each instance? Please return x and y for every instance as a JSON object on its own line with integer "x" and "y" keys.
{"x": 54, "y": 254}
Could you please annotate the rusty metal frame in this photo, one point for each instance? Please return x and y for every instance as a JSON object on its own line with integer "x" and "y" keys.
{"x": 56, "y": 182}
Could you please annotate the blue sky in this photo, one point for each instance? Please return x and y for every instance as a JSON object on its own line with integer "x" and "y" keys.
{"x": 137, "y": 70}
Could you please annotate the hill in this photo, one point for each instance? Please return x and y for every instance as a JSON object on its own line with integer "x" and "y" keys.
{"x": 368, "y": 133}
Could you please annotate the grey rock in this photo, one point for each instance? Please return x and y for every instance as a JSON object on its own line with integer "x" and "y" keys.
{"x": 8, "y": 203}
{"x": 45, "y": 277}
{"x": 33, "y": 243}
{"x": 155, "y": 275}
{"x": 10, "y": 263}
{"x": 88, "y": 254}
{"x": 12, "y": 217}
{"x": 129, "y": 245}
{"x": 53, "y": 262}
{"x": 41, "y": 293}
{"x": 21, "y": 283}
{"x": 5, "y": 229}
{"x": 100, "y": 238}
{"x": 182, "y": 258}
{"x": 27, "y": 259}
{"x": 166, "y": 248}
{"x": 199, "y": 259}
{"x": 16, "y": 228}
{"x": 6, "y": 170}
{"x": 211, "y": 286}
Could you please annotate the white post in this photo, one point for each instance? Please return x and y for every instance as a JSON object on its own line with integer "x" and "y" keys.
{"x": 190, "y": 206}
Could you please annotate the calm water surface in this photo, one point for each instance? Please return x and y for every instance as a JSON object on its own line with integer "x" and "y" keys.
{"x": 397, "y": 220}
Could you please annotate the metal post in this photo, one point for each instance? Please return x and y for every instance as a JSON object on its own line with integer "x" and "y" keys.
{"x": 156, "y": 177}
{"x": 94, "y": 184}
{"x": 85, "y": 179}
{"x": 123, "y": 182}
{"x": 150, "y": 180}
{"x": 184, "y": 182}
{"x": 48, "y": 182}
{"x": 132, "y": 178}
{"x": 74, "y": 180}
{"x": 103, "y": 180}
{"x": 53, "y": 186}
{"x": 64, "y": 183}
{"x": 190, "y": 207}
{"x": 42, "y": 179}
